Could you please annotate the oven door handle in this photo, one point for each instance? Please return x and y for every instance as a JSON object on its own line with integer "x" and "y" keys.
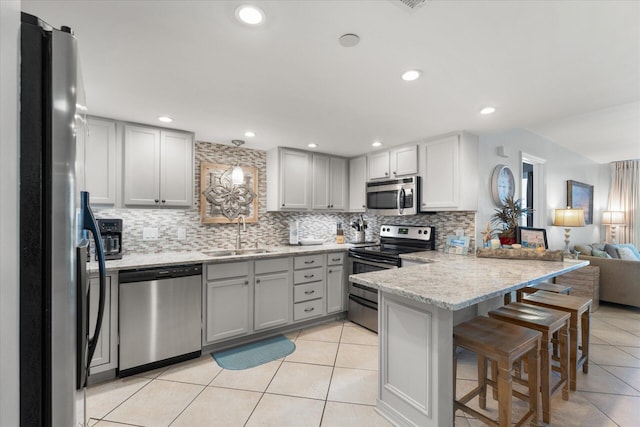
{"x": 366, "y": 288}
{"x": 364, "y": 302}
{"x": 374, "y": 262}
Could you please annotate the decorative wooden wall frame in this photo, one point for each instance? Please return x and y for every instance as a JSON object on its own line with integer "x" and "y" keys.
{"x": 580, "y": 196}
{"x": 221, "y": 201}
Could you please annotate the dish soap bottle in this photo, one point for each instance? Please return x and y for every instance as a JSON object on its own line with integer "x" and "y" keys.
{"x": 340, "y": 234}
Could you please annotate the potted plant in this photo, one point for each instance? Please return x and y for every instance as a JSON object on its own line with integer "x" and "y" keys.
{"x": 507, "y": 217}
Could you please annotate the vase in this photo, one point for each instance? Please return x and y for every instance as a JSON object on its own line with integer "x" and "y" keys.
{"x": 507, "y": 240}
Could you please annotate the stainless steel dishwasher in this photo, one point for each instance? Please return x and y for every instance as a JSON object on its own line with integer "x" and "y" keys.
{"x": 159, "y": 320}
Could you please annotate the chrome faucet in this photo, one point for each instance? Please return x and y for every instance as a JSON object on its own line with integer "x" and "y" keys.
{"x": 244, "y": 228}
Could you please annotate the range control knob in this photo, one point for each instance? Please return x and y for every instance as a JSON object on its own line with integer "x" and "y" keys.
{"x": 419, "y": 231}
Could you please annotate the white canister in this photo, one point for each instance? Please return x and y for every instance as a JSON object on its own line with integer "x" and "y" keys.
{"x": 294, "y": 226}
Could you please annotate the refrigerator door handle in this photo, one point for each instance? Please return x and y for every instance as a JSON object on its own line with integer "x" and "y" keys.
{"x": 90, "y": 224}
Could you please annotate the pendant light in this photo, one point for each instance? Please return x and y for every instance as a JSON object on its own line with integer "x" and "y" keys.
{"x": 237, "y": 174}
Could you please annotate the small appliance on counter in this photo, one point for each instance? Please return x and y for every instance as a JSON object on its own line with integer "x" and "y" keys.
{"x": 111, "y": 232}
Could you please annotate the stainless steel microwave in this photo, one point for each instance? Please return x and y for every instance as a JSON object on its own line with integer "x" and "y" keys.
{"x": 394, "y": 196}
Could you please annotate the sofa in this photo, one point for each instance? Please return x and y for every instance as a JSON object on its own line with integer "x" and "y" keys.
{"x": 619, "y": 271}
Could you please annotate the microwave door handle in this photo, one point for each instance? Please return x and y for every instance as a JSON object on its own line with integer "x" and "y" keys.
{"x": 401, "y": 200}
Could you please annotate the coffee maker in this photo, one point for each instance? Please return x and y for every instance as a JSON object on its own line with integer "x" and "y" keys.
{"x": 111, "y": 233}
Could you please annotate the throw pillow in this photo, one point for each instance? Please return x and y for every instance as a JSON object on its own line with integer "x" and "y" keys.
{"x": 583, "y": 249}
{"x": 600, "y": 254}
{"x": 598, "y": 246}
{"x": 611, "y": 250}
{"x": 626, "y": 253}
{"x": 631, "y": 247}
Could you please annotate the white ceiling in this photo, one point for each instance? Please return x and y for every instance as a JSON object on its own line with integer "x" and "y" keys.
{"x": 569, "y": 71}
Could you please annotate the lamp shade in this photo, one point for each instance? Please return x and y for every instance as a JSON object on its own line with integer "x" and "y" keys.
{"x": 612, "y": 218}
{"x": 569, "y": 218}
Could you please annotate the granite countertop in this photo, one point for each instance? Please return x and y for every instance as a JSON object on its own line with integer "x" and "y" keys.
{"x": 173, "y": 258}
{"x": 454, "y": 282}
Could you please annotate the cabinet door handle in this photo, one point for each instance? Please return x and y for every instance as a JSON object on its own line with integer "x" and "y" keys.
{"x": 246, "y": 282}
{"x": 386, "y": 174}
{"x": 283, "y": 205}
{"x": 330, "y": 270}
{"x": 257, "y": 280}
{"x": 164, "y": 201}
{"x": 364, "y": 206}
{"x": 309, "y": 292}
{"x": 156, "y": 200}
{"x": 308, "y": 310}
{"x": 310, "y": 262}
{"x": 308, "y": 276}
{"x": 395, "y": 173}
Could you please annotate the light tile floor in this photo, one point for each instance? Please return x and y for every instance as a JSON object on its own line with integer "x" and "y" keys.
{"x": 331, "y": 380}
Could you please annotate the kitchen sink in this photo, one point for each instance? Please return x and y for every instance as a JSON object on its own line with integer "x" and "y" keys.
{"x": 232, "y": 252}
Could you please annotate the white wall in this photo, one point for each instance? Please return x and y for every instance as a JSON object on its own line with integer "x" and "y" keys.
{"x": 561, "y": 165}
{"x": 9, "y": 224}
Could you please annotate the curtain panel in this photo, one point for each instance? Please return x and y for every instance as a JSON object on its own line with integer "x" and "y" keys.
{"x": 624, "y": 196}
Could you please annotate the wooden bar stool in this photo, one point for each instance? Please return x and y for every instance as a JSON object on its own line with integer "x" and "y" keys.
{"x": 549, "y": 287}
{"x": 580, "y": 309}
{"x": 502, "y": 343}
{"x": 547, "y": 322}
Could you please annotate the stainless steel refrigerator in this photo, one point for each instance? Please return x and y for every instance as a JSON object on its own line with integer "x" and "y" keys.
{"x": 55, "y": 348}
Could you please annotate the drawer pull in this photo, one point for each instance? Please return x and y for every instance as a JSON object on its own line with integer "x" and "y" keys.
{"x": 310, "y": 262}
{"x": 330, "y": 271}
{"x": 308, "y": 276}
{"x": 309, "y": 292}
{"x": 336, "y": 259}
{"x": 309, "y": 310}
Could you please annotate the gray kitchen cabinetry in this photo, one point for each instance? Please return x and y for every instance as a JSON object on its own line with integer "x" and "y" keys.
{"x": 393, "y": 163}
{"x": 106, "y": 354}
{"x": 358, "y": 184}
{"x": 288, "y": 180}
{"x": 336, "y": 290}
{"x": 158, "y": 167}
{"x": 448, "y": 166}
{"x": 227, "y": 301}
{"x": 98, "y": 158}
{"x": 272, "y": 293}
{"x": 309, "y": 284}
{"x": 329, "y": 182}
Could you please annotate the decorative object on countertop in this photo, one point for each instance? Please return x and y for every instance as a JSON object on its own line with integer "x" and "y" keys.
{"x": 360, "y": 226}
{"x": 508, "y": 217}
{"x": 529, "y": 254}
{"x": 458, "y": 245}
{"x": 532, "y": 237}
{"x": 222, "y": 201}
{"x": 613, "y": 219}
{"x": 487, "y": 235}
{"x": 310, "y": 242}
{"x": 568, "y": 218}
{"x": 254, "y": 354}
{"x": 580, "y": 196}
{"x": 339, "y": 234}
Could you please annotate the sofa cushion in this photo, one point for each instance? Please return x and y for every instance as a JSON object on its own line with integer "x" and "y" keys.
{"x": 611, "y": 250}
{"x": 626, "y": 253}
{"x": 600, "y": 254}
{"x": 631, "y": 248}
{"x": 583, "y": 249}
{"x": 598, "y": 246}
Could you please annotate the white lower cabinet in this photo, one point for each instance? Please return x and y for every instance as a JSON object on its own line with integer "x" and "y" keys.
{"x": 336, "y": 290}
{"x": 106, "y": 354}
{"x": 271, "y": 293}
{"x": 308, "y": 285}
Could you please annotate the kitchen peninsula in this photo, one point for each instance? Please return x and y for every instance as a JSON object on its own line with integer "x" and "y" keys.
{"x": 418, "y": 307}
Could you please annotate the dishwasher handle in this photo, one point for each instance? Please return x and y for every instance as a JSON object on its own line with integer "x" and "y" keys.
{"x": 159, "y": 273}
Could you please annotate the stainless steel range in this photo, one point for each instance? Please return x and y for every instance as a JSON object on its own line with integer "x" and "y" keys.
{"x": 394, "y": 241}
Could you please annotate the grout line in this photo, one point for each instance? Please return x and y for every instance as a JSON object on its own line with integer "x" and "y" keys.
{"x": 264, "y": 392}
{"x": 188, "y": 404}
{"x": 149, "y": 381}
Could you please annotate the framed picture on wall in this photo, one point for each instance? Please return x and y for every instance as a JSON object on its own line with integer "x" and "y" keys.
{"x": 580, "y": 196}
{"x": 532, "y": 237}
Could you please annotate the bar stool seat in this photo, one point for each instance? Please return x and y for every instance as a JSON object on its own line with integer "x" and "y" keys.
{"x": 580, "y": 310}
{"x": 547, "y": 321}
{"x": 502, "y": 343}
{"x": 549, "y": 287}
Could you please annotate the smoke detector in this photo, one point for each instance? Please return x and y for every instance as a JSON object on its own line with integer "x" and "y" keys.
{"x": 409, "y": 5}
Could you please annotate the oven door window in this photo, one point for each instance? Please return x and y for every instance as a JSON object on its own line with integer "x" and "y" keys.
{"x": 359, "y": 267}
{"x": 382, "y": 199}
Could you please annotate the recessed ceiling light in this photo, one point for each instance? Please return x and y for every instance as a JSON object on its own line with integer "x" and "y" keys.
{"x": 249, "y": 134}
{"x": 487, "y": 110}
{"x": 376, "y": 143}
{"x": 312, "y": 145}
{"x": 165, "y": 119}
{"x": 249, "y": 14}
{"x": 411, "y": 75}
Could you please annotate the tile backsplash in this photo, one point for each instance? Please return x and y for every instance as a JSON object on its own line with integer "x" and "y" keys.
{"x": 272, "y": 228}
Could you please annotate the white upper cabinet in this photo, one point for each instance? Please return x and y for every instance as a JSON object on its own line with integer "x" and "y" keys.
{"x": 158, "y": 167}
{"x": 393, "y": 163}
{"x": 448, "y": 167}
{"x": 100, "y": 161}
{"x": 329, "y": 178}
{"x": 338, "y": 183}
{"x": 288, "y": 180}
{"x": 357, "y": 184}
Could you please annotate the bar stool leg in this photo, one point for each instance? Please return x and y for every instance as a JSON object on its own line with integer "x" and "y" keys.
{"x": 573, "y": 351}
{"x": 545, "y": 377}
{"x": 534, "y": 386}
{"x": 482, "y": 375}
{"x": 455, "y": 380}
{"x": 504, "y": 395}
{"x": 584, "y": 325}
{"x": 564, "y": 349}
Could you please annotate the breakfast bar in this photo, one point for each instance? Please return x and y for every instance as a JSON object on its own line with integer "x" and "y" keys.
{"x": 418, "y": 307}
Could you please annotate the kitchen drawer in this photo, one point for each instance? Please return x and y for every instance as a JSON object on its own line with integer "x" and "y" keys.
{"x": 308, "y": 275}
{"x": 335, "y": 258}
{"x": 308, "y": 291}
{"x": 305, "y": 310}
{"x": 308, "y": 261}
{"x": 273, "y": 265}
{"x": 226, "y": 270}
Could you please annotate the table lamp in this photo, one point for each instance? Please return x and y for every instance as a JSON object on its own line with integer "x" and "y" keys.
{"x": 568, "y": 218}
{"x": 613, "y": 219}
